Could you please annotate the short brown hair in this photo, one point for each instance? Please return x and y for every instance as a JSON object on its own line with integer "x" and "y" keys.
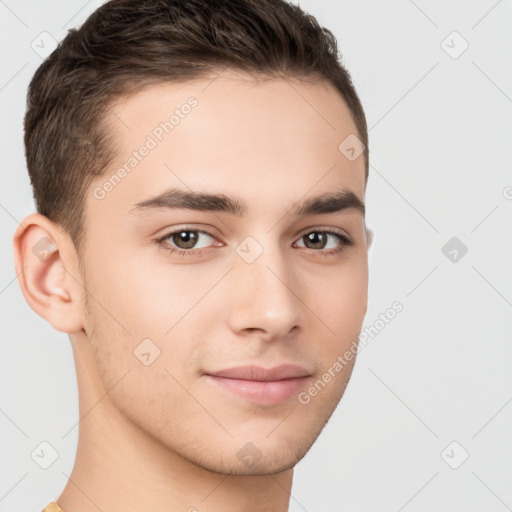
{"x": 126, "y": 44}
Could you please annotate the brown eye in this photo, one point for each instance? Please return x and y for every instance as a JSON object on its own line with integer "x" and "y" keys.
{"x": 184, "y": 239}
{"x": 332, "y": 241}
{"x": 315, "y": 240}
{"x": 187, "y": 240}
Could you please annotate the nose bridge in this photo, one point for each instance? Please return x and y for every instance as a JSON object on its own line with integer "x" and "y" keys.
{"x": 264, "y": 295}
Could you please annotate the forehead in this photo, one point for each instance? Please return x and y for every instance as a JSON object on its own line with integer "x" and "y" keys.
{"x": 268, "y": 141}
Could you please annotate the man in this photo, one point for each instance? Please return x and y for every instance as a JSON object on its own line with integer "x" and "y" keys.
{"x": 199, "y": 169}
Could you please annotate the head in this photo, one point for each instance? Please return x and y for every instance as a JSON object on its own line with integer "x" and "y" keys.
{"x": 200, "y": 168}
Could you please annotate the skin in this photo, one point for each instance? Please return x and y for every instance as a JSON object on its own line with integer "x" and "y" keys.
{"x": 161, "y": 437}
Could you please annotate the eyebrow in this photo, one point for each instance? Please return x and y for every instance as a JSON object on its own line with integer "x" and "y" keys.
{"x": 328, "y": 202}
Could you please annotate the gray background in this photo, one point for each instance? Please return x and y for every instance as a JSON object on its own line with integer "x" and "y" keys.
{"x": 440, "y": 139}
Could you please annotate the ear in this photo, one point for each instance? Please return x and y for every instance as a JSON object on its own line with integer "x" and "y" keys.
{"x": 47, "y": 271}
{"x": 369, "y": 238}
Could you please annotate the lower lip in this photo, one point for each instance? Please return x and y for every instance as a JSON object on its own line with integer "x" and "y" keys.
{"x": 262, "y": 392}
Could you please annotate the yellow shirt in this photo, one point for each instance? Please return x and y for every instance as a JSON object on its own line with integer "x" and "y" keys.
{"x": 52, "y": 507}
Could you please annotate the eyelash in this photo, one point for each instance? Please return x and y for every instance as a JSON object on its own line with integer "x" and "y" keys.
{"x": 162, "y": 242}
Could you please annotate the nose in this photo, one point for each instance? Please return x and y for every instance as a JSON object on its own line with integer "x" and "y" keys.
{"x": 264, "y": 297}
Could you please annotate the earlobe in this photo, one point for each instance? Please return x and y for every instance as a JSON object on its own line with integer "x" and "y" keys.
{"x": 41, "y": 273}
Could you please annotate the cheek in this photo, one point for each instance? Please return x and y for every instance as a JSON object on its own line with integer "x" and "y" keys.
{"x": 167, "y": 310}
{"x": 339, "y": 302}
{"x": 343, "y": 288}
{"x": 170, "y": 305}
{"x": 147, "y": 297}
{"x": 142, "y": 368}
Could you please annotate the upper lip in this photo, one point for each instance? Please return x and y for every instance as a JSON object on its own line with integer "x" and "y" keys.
{"x": 258, "y": 373}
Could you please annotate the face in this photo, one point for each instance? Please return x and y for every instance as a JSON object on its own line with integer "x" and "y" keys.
{"x": 234, "y": 239}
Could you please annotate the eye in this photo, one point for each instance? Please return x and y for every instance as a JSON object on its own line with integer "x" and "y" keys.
{"x": 185, "y": 240}
{"x": 321, "y": 239}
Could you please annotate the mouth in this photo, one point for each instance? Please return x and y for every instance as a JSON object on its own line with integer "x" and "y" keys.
{"x": 261, "y": 385}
